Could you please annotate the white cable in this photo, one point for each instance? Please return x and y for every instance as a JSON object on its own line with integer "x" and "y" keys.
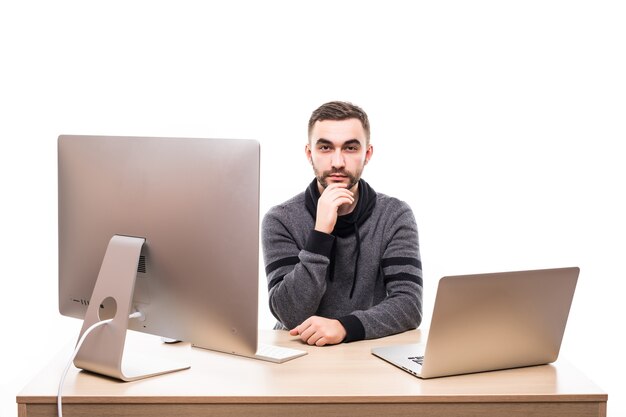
{"x": 136, "y": 314}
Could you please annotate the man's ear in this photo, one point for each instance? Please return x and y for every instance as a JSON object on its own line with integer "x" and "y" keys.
{"x": 368, "y": 153}
{"x": 307, "y": 152}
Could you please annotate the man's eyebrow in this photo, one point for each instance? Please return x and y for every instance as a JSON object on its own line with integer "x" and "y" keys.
{"x": 349, "y": 142}
{"x": 322, "y": 141}
{"x": 352, "y": 142}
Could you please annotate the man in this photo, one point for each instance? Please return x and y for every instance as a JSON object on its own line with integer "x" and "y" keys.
{"x": 342, "y": 261}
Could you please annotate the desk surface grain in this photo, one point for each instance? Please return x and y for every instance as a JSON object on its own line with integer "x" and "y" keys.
{"x": 341, "y": 380}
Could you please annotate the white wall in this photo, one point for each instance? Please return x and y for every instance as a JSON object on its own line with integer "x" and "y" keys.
{"x": 499, "y": 122}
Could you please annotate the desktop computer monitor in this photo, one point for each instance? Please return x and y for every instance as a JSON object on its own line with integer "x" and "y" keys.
{"x": 193, "y": 207}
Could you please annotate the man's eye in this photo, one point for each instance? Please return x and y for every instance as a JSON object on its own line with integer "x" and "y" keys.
{"x": 352, "y": 148}
{"x": 324, "y": 148}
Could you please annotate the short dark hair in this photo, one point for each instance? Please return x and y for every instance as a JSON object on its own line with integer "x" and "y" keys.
{"x": 340, "y": 110}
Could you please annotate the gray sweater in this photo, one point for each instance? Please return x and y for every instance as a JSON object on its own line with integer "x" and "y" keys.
{"x": 369, "y": 279}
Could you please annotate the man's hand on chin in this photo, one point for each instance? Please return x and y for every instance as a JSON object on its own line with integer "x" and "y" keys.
{"x": 320, "y": 331}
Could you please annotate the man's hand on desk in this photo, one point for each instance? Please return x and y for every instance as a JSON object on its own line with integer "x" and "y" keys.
{"x": 320, "y": 331}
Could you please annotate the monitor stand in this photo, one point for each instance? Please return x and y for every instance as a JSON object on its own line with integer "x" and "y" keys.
{"x": 103, "y": 349}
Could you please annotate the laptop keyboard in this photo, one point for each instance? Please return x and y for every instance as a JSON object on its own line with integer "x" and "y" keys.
{"x": 417, "y": 359}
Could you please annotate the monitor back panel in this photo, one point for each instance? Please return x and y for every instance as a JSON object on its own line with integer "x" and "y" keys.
{"x": 196, "y": 202}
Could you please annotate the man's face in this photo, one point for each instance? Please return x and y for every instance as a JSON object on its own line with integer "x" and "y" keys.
{"x": 338, "y": 151}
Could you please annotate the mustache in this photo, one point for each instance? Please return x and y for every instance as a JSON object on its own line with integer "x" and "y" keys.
{"x": 337, "y": 171}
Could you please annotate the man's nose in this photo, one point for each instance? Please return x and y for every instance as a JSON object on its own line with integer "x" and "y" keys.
{"x": 338, "y": 160}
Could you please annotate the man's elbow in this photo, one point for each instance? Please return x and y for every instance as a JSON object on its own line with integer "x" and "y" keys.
{"x": 285, "y": 318}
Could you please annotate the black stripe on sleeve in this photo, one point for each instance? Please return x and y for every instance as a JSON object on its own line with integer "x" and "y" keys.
{"x": 403, "y": 276}
{"x": 400, "y": 260}
{"x": 292, "y": 260}
{"x": 274, "y": 282}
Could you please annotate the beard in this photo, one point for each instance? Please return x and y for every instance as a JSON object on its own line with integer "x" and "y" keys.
{"x": 322, "y": 177}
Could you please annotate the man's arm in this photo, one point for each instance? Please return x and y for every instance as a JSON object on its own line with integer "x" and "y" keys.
{"x": 296, "y": 276}
{"x": 298, "y": 282}
{"x": 402, "y": 270}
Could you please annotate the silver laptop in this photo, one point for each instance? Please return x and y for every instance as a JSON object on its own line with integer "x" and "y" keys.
{"x": 491, "y": 321}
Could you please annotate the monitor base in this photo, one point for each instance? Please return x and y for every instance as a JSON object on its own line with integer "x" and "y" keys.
{"x": 102, "y": 351}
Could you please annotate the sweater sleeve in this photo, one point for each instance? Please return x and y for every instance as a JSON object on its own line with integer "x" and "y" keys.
{"x": 296, "y": 275}
{"x": 401, "y": 269}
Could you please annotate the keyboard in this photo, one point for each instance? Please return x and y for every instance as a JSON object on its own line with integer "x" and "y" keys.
{"x": 277, "y": 354}
{"x": 417, "y": 359}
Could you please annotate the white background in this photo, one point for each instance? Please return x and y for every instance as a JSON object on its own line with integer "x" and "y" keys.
{"x": 499, "y": 122}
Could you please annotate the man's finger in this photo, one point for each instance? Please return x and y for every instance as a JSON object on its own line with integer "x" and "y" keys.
{"x": 313, "y": 339}
{"x": 321, "y": 341}
{"x": 307, "y": 334}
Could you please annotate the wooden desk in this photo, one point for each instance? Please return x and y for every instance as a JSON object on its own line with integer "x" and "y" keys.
{"x": 331, "y": 381}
